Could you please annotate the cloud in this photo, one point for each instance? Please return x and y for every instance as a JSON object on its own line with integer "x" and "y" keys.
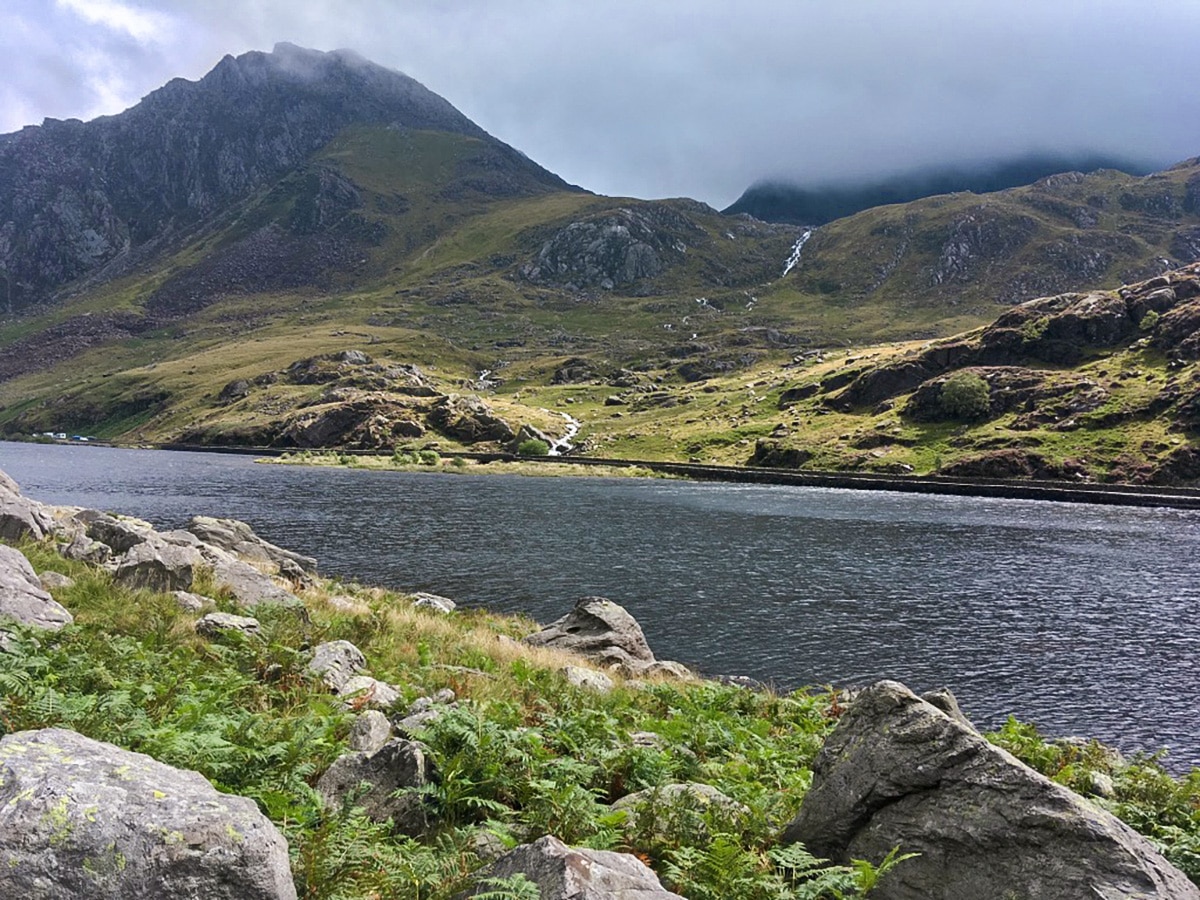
{"x": 672, "y": 98}
{"x": 140, "y": 24}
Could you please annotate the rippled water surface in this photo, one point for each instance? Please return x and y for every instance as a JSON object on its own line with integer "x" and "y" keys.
{"x": 1081, "y": 619}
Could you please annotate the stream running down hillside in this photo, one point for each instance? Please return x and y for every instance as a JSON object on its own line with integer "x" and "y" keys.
{"x": 1077, "y": 618}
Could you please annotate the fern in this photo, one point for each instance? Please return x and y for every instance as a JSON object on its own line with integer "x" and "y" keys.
{"x": 515, "y": 887}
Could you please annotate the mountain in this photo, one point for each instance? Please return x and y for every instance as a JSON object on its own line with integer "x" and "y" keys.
{"x": 306, "y": 250}
{"x": 777, "y": 200}
{"x": 80, "y": 198}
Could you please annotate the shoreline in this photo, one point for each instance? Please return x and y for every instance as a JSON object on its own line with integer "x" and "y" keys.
{"x": 1062, "y": 492}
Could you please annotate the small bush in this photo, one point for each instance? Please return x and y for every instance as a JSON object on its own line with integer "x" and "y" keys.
{"x": 966, "y": 395}
{"x": 429, "y": 457}
{"x": 533, "y": 447}
{"x": 1149, "y": 320}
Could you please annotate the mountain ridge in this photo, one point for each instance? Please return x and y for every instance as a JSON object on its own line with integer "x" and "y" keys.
{"x": 76, "y": 196}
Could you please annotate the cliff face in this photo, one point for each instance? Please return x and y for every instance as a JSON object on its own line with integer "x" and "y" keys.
{"x": 75, "y": 196}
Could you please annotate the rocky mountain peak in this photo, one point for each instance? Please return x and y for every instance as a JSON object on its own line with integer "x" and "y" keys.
{"x": 77, "y": 197}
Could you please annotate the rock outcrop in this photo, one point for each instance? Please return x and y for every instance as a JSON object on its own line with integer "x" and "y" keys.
{"x": 19, "y": 516}
{"x": 23, "y": 599}
{"x": 81, "y": 818}
{"x": 390, "y": 772}
{"x": 599, "y": 630}
{"x": 897, "y": 771}
{"x": 468, "y": 419}
{"x": 239, "y": 538}
{"x": 574, "y": 873}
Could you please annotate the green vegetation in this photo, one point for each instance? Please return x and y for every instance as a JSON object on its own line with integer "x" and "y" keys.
{"x": 966, "y": 396}
{"x": 533, "y": 447}
{"x": 524, "y": 753}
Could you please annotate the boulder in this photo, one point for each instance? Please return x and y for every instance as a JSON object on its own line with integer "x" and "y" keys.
{"x": 336, "y": 662}
{"x": 81, "y": 818}
{"x": 394, "y": 767}
{"x": 576, "y": 873}
{"x": 589, "y": 679}
{"x": 365, "y": 692}
{"x": 52, "y": 581}
{"x": 370, "y": 731}
{"x": 898, "y": 772}
{"x": 218, "y": 624}
{"x": 192, "y": 602}
{"x": 22, "y": 597}
{"x": 433, "y": 602}
{"x": 19, "y": 516}
{"x": 239, "y": 538}
{"x": 158, "y": 566}
{"x": 119, "y": 534}
{"x": 600, "y": 630}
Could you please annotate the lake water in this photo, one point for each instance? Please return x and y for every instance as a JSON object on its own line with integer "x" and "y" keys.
{"x": 1081, "y": 619}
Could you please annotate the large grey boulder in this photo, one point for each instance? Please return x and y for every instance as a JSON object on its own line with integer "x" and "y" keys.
{"x": 19, "y": 516}
{"x": 22, "y": 597}
{"x": 172, "y": 560}
{"x": 897, "y": 771}
{"x": 336, "y": 662}
{"x": 376, "y": 781}
{"x": 80, "y": 818}
{"x": 570, "y": 873}
{"x": 159, "y": 566}
{"x": 219, "y": 624}
{"x": 600, "y": 630}
{"x": 239, "y": 538}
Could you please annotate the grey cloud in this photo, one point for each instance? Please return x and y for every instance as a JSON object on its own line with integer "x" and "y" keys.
{"x": 702, "y": 98}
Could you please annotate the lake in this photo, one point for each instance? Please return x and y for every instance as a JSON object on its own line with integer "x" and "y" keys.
{"x": 1081, "y": 619}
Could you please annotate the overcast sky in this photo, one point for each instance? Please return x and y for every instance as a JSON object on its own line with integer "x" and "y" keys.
{"x": 656, "y": 98}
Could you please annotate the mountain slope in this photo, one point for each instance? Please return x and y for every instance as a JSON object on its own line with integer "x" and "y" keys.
{"x": 77, "y": 197}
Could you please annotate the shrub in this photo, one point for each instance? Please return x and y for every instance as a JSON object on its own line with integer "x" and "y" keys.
{"x": 966, "y": 395}
{"x": 429, "y": 457}
{"x": 533, "y": 447}
{"x": 1149, "y": 320}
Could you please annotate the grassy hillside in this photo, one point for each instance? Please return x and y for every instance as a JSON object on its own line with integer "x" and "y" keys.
{"x": 668, "y": 330}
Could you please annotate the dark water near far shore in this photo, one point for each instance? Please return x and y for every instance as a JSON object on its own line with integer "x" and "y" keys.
{"x": 1081, "y": 619}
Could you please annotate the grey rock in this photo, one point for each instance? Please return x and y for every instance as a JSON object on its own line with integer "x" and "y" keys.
{"x": 119, "y": 534}
{"x": 239, "y": 538}
{"x": 19, "y": 518}
{"x": 363, "y": 691}
{"x": 22, "y": 597}
{"x": 248, "y": 585}
{"x": 55, "y": 580}
{"x": 412, "y": 724}
{"x": 896, "y": 771}
{"x": 668, "y": 669}
{"x": 528, "y": 433}
{"x": 370, "y": 731}
{"x": 599, "y": 630}
{"x": 336, "y": 662}
{"x": 372, "y": 780}
{"x": 944, "y": 699}
{"x": 570, "y": 873}
{"x": 192, "y": 602}
{"x": 434, "y": 602}
{"x": 82, "y": 548}
{"x": 87, "y": 819}
{"x": 158, "y": 566}
{"x": 216, "y": 624}
{"x": 589, "y": 679}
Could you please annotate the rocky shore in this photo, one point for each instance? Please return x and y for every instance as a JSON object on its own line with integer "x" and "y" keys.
{"x": 198, "y": 712}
